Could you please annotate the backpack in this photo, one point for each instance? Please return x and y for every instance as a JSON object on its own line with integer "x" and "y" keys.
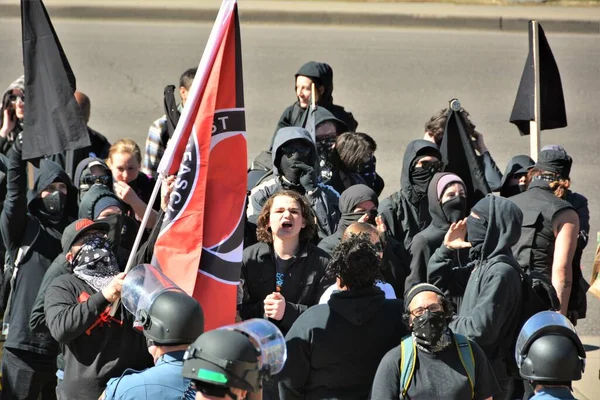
{"x": 408, "y": 359}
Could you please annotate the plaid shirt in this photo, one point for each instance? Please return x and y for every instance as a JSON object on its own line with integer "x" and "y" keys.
{"x": 155, "y": 147}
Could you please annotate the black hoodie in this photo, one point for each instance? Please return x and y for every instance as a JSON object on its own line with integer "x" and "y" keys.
{"x": 492, "y": 303}
{"x": 334, "y": 349}
{"x": 323, "y": 200}
{"x": 406, "y": 212}
{"x": 428, "y": 240}
{"x": 294, "y": 115}
{"x": 23, "y": 224}
{"x": 517, "y": 165}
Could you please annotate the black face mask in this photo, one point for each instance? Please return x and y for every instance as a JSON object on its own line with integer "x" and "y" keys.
{"x": 420, "y": 178}
{"x": 116, "y": 226}
{"x": 291, "y": 168}
{"x": 476, "y": 231}
{"x": 455, "y": 209}
{"x": 350, "y": 218}
{"x": 54, "y": 204}
{"x": 513, "y": 190}
{"x": 367, "y": 171}
{"x": 429, "y": 327}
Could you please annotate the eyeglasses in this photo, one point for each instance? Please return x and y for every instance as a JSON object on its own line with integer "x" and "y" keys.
{"x": 14, "y": 97}
{"x": 433, "y": 166}
{"x": 289, "y": 151}
{"x": 435, "y": 307}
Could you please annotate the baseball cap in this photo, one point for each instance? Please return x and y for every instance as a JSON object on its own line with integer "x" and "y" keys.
{"x": 73, "y": 232}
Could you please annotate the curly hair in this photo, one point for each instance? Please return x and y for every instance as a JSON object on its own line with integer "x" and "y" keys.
{"x": 263, "y": 230}
{"x": 355, "y": 262}
{"x": 559, "y": 186}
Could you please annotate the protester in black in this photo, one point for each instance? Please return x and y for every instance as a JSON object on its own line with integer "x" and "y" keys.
{"x": 406, "y": 212}
{"x": 514, "y": 180}
{"x": 550, "y": 224}
{"x": 97, "y": 346}
{"x": 321, "y": 75}
{"x": 447, "y": 204}
{"x": 353, "y": 162}
{"x": 439, "y": 372}
{"x": 31, "y": 225}
{"x": 358, "y": 317}
{"x": 90, "y": 171}
{"x": 295, "y": 167}
{"x": 492, "y": 303}
{"x": 283, "y": 274}
{"x": 12, "y": 112}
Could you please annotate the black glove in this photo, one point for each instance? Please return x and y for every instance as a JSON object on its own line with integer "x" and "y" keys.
{"x": 307, "y": 177}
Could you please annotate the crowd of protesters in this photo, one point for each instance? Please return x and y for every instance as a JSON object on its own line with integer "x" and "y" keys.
{"x": 418, "y": 295}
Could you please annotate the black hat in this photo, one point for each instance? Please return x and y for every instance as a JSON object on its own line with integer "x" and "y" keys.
{"x": 318, "y": 72}
{"x": 518, "y": 165}
{"x": 73, "y": 232}
{"x": 554, "y": 158}
{"x": 421, "y": 287}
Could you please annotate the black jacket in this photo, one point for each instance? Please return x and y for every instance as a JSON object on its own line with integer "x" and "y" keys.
{"x": 303, "y": 287}
{"x": 492, "y": 302}
{"x": 426, "y": 242}
{"x": 405, "y": 212}
{"x": 99, "y": 147}
{"x": 23, "y": 224}
{"x": 96, "y": 347}
{"x": 334, "y": 349}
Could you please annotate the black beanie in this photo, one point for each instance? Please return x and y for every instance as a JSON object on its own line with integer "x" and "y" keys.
{"x": 415, "y": 290}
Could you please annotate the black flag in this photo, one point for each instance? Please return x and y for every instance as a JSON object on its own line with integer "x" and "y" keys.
{"x": 459, "y": 157}
{"x": 53, "y": 122}
{"x": 552, "y": 101}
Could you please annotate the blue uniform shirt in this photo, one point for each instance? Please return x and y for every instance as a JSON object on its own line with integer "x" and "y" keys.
{"x": 553, "y": 393}
{"x": 163, "y": 381}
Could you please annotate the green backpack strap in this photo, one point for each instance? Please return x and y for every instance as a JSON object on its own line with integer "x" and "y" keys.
{"x": 408, "y": 358}
{"x": 465, "y": 352}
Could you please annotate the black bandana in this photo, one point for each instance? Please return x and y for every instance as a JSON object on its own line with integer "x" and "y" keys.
{"x": 95, "y": 264}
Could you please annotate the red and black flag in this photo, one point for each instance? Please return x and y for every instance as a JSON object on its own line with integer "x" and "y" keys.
{"x": 53, "y": 122}
{"x": 201, "y": 242}
{"x": 459, "y": 155}
{"x": 552, "y": 102}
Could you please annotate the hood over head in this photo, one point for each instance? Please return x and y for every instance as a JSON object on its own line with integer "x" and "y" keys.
{"x": 414, "y": 150}
{"x": 18, "y": 83}
{"x": 517, "y": 165}
{"x": 321, "y": 74}
{"x": 504, "y": 220}
{"x": 287, "y": 134}
{"x": 48, "y": 172}
{"x": 434, "y": 196}
{"x": 94, "y": 197}
{"x": 349, "y": 199}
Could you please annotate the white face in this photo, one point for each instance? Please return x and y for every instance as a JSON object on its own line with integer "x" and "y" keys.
{"x": 51, "y": 188}
{"x": 19, "y": 104}
{"x": 304, "y": 90}
{"x": 452, "y": 191}
{"x": 124, "y": 167}
{"x": 285, "y": 218}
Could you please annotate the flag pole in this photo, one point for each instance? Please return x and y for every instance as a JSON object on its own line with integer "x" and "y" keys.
{"x": 534, "y": 126}
{"x": 140, "y": 234}
{"x": 312, "y": 95}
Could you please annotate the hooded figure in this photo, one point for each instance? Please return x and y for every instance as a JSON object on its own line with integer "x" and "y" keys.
{"x": 88, "y": 173}
{"x": 324, "y": 128}
{"x": 406, "y": 212}
{"x": 492, "y": 299}
{"x": 321, "y": 75}
{"x": 442, "y": 215}
{"x": 6, "y": 141}
{"x": 514, "y": 180}
{"x": 295, "y": 171}
{"x": 31, "y": 228}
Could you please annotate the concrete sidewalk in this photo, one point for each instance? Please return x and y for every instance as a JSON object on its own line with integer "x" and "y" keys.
{"x": 588, "y": 388}
{"x": 428, "y": 15}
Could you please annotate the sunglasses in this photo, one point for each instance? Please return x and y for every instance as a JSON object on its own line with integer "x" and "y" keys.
{"x": 14, "y": 97}
{"x": 92, "y": 179}
{"x": 289, "y": 151}
{"x": 433, "y": 166}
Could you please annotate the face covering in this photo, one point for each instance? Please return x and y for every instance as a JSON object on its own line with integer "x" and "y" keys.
{"x": 350, "y": 218}
{"x": 54, "y": 204}
{"x": 430, "y": 331}
{"x": 455, "y": 209}
{"x": 476, "y": 231}
{"x": 367, "y": 171}
{"x": 116, "y": 226}
{"x": 95, "y": 264}
{"x": 510, "y": 191}
{"x": 291, "y": 169}
{"x": 420, "y": 178}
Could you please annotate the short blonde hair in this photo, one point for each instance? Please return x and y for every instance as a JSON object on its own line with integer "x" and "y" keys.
{"x": 126, "y": 146}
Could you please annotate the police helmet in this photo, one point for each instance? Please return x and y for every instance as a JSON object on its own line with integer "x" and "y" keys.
{"x": 549, "y": 350}
{"x": 173, "y": 318}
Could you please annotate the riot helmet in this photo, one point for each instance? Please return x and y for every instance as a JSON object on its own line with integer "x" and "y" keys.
{"x": 167, "y": 314}
{"x": 549, "y": 350}
{"x": 236, "y": 356}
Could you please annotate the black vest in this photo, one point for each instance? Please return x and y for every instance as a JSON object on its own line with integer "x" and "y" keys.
{"x": 535, "y": 249}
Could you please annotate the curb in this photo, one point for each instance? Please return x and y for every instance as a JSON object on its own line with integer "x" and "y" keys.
{"x": 324, "y": 18}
